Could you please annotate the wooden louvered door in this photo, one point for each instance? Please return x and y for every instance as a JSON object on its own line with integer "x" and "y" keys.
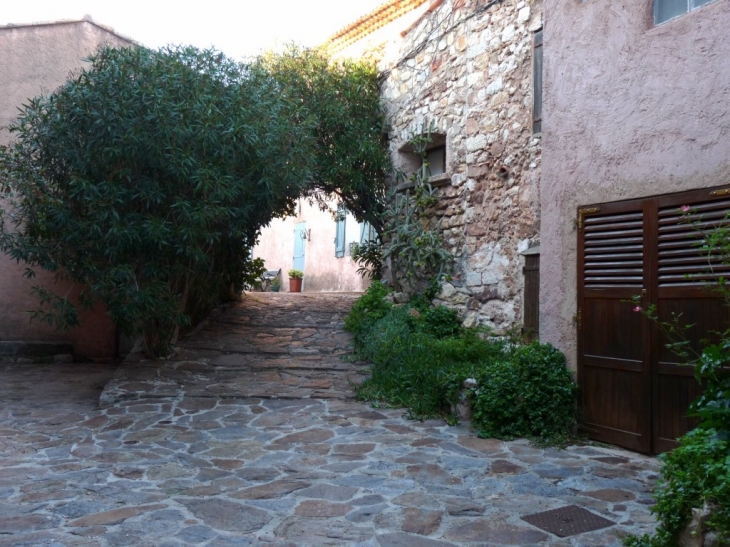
{"x": 635, "y": 391}
{"x": 684, "y": 281}
{"x": 613, "y": 342}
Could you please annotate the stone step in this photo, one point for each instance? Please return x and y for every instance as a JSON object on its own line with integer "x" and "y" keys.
{"x": 28, "y": 352}
{"x": 268, "y": 346}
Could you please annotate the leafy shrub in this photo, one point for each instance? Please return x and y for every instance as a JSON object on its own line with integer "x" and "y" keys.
{"x": 530, "y": 393}
{"x": 413, "y": 369}
{"x": 713, "y": 405}
{"x": 695, "y": 473}
{"x": 148, "y": 176}
{"x": 370, "y": 307}
{"x": 421, "y": 356}
{"x": 369, "y": 257}
{"x": 441, "y": 322}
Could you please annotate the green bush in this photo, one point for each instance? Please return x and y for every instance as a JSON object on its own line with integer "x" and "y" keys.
{"x": 147, "y": 177}
{"x": 367, "y": 310}
{"x": 441, "y": 322}
{"x": 413, "y": 369}
{"x": 421, "y": 356}
{"x": 695, "y": 473}
{"x": 530, "y": 393}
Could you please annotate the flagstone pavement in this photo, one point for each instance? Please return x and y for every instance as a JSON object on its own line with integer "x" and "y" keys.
{"x": 250, "y": 436}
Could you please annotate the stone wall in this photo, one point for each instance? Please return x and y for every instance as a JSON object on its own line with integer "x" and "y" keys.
{"x": 465, "y": 68}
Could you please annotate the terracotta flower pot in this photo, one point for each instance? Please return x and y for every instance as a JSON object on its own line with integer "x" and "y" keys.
{"x": 295, "y": 284}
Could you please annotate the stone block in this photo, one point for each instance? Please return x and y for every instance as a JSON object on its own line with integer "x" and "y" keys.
{"x": 473, "y": 279}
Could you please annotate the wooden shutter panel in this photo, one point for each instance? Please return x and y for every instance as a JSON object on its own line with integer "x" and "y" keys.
{"x": 682, "y": 261}
{"x": 613, "y": 250}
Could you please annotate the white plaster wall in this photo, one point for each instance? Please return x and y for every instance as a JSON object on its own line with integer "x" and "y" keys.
{"x": 323, "y": 272}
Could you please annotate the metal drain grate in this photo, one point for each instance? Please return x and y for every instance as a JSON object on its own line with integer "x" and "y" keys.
{"x": 568, "y": 521}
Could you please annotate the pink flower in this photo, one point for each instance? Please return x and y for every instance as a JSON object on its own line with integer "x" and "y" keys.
{"x": 637, "y": 309}
{"x": 686, "y": 208}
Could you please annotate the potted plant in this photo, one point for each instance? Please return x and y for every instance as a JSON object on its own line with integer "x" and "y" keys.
{"x": 275, "y": 285}
{"x": 295, "y": 280}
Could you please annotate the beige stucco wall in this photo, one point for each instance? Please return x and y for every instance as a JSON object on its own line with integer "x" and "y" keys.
{"x": 630, "y": 110}
{"x": 34, "y": 60}
{"x": 323, "y": 272}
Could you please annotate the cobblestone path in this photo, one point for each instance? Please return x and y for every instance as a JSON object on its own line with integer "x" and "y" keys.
{"x": 273, "y": 345}
{"x": 208, "y": 457}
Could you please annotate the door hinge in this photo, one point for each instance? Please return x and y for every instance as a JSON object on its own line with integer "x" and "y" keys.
{"x": 718, "y": 193}
{"x": 579, "y": 318}
{"x": 583, "y": 212}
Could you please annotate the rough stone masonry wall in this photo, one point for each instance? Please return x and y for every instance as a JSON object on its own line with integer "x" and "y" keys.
{"x": 466, "y": 68}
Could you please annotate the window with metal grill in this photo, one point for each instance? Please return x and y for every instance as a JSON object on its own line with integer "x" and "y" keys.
{"x": 664, "y": 10}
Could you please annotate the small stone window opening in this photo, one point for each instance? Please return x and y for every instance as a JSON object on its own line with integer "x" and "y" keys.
{"x": 537, "y": 82}
{"x": 410, "y": 162}
{"x": 664, "y": 10}
{"x": 436, "y": 158}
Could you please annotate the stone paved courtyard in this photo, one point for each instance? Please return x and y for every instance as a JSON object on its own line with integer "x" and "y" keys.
{"x": 196, "y": 451}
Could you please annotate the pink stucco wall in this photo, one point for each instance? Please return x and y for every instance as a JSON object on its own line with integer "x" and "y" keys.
{"x": 34, "y": 60}
{"x": 630, "y": 110}
{"x": 323, "y": 272}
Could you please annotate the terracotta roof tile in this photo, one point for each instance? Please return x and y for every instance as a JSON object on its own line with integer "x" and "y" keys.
{"x": 378, "y": 18}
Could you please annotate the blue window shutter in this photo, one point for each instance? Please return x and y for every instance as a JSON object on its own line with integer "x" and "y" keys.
{"x": 364, "y": 233}
{"x": 340, "y": 234}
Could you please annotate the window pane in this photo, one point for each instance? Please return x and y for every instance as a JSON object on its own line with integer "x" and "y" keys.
{"x": 436, "y": 158}
{"x": 698, "y": 3}
{"x": 667, "y": 9}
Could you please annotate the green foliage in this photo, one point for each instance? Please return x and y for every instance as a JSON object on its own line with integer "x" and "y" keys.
{"x": 255, "y": 269}
{"x": 412, "y": 239}
{"x": 367, "y": 310}
{"x": 147, "y": 177}
{"x": 421, "y": 356}
{"x": 412, "y": 369}
{"x": 296, "y": 274}
{"x": 694, "y": 474}
{"x": 711, "y": 370}
{"x": 369, "y": 257}
{"x": 530, "y": 393}
{"x": 341, "y": 103}
{"x": 440, "y": 322}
